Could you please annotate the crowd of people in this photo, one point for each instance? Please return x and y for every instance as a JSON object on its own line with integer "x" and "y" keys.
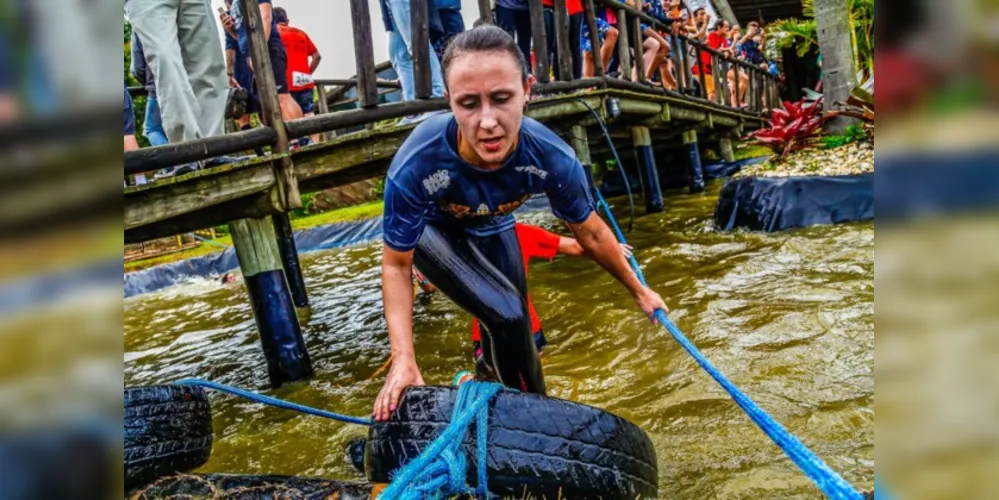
{"x": 192, "y": 87}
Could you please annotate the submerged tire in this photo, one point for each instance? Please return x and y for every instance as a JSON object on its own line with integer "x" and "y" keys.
{"x": 168, "y": 430}
{"x": 539, "y": 446}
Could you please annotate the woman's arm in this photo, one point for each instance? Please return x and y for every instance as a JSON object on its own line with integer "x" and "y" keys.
{"x": 397, "y": 295}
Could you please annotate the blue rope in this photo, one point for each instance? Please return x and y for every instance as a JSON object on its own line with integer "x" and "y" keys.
{"x": 206, "y": 240}
{"x": 440, "y": 471}
{"x": 277, "y": 403}
{"x": 831, "y": 483}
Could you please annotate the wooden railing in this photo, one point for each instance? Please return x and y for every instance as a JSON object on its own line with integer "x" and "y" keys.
{"x": 275, "y": 132}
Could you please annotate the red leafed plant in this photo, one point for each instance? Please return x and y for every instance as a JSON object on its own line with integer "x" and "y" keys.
{"x": 792, "y": 128}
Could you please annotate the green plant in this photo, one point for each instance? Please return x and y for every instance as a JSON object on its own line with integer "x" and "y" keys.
{"x": 378, "y": 187}
{"x": 308, "y": 206}
{"x": 853, "y": 134}
{"x": 802, "y": 34}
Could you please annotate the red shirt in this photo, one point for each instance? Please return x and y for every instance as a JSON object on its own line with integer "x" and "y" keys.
{"x": 534, "y": 243}
{"x": 573, "y": 6}
{"x": 715, "y": 41}
{"x": 299, "y": 47}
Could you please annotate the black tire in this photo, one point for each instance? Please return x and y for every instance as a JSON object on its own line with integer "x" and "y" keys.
{"x": 542, "y": 446}
{"x": 168, "y": 430}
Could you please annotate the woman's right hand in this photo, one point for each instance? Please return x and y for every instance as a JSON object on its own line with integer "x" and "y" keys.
{"x": 404, "y": 373}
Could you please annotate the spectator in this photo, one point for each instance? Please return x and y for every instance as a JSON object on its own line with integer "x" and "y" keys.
{"x": 752, "y": 46}
{"x": 447, "y": 14}
{"x": 396, "y": 15}
{"x": 654, "y": 48}
{"x": 698, "y": 29}
{"x": 608, "y": 40}
{"x": 152, "y": 124}
{"x": 180, "y": 42}
{"x": 131, "y": 143}
{"x": 515, "y": 18}
{"x": 575, "y": 12}
{"x": 233, "y": 22}
{"x": 303, "y": 59}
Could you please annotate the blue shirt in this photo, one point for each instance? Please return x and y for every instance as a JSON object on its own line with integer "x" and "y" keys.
{"x": 240, "y": 64}
{"x": 428, "y": 181}
{"x": 512, "y": 4}
{"x": 244, "y": 37}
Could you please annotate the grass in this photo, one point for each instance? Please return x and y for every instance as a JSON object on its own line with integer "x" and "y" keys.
{"x": 357, "y": 212}
{"x": 751, "y": 151}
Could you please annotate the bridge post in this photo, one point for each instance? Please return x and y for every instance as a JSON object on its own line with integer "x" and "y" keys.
{"x": 651, "y": 190}
{"x": 695, "y": 169}
{"x": 582, "y": 146}
{"x": 726, "y": 149}
{"x": 277, "y": 321}
{"x": 289, "y": 259}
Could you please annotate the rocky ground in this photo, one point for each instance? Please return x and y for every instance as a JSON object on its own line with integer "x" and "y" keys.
{"x": 854, "y": 158}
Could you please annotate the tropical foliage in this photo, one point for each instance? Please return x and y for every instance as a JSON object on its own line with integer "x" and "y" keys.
{"x": 802, "y": 34}
{"x": 794, "y": 127}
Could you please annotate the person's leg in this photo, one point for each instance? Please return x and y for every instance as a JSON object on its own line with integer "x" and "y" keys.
{"x": 575, "y": 27}
{"x": 607, "y": 47}
{"x": 485, "y": 276}
{"x": 522, "y": 20}
{"x": 506, "y": 19}
{"x": 306, "y": 101}
{"x": 402, "y": 63}
{"x": 551, "y": 41}
{"x": 204, "y": 63}
{"x": 155, "y": 21}
{"x": 650, "y": 47}
{"x": 403, "y": 26}
{"x": 152, "y": 125}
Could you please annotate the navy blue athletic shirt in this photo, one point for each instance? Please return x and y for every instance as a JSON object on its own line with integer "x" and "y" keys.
{"x": 429, "y": 182}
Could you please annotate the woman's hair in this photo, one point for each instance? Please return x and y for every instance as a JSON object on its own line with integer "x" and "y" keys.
{"x": 485, "y": 38}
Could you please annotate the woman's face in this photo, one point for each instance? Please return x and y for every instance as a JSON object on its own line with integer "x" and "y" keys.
{"x": 487, "y": 94}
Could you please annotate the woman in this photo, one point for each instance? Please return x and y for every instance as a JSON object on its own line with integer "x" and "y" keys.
{"x": 448, "y": 198}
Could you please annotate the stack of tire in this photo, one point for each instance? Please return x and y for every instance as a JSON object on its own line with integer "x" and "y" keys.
{"x": 537, "y": 446}
{"x": 168, "y": 431}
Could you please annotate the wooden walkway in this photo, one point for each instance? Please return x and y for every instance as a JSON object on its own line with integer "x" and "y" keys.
{"x": 216, "y": 196}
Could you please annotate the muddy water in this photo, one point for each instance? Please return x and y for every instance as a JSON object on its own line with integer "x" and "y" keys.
{"x": 788, "y": 317}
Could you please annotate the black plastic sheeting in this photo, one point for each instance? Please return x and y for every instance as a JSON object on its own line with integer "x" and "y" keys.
{"x": 931, "y": 184}
{"x": 779, "y": 203}
{"x": 307, "y": 240}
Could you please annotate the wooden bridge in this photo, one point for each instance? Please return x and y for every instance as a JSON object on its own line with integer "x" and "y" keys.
{"x": 255, "y": 196}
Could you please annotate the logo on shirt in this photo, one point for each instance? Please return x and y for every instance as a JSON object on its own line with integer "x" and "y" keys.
{"x": 459, "y": 211}
{"x": 531, "y": 169}
{"x": 437, "y": 181}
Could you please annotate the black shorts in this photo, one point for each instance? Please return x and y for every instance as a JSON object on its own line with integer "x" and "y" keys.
{"x": 279, "y": 63}
{"x": 304, "y": 100}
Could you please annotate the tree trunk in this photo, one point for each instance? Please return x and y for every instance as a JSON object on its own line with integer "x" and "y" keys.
{"x": 725, "y": 11}
{"x": 835, "y": 42}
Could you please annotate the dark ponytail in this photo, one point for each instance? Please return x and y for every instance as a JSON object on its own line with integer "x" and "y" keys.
{"x": 484, "y": 38}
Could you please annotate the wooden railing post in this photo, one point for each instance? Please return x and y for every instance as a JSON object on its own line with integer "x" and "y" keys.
{"x": 591, "y": 24}
{"x": 562, "y": 46}
{"x": 540, "y": 41}
{"x": 485, "y": 12}
{"x": 738, "y": 76}
{"x": 623, "y": 48}
{"x": 364, "y": 55}
{"x": 288, "y": 193}
{"x": 687, "y": 69}
{"x": 637, "y": 48}
{"x": 421, "y": 48}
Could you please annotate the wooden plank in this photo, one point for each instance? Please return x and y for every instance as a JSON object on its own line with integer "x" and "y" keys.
{"x": 737, "y": 102}
{"x": 256, "y": 245}
{"x": 352, "y": 118}
{"x": 540, "y": 39}
{"x": 324, "y": 106}
{"x": 591, "y": 24}
{"x": 255, "y": 205}
{"x": 392, "y": 84}
{"x": 688, "y": 73}
{"x": 364, "y": 55}
{"x": 637, "y": 50}
{"x": 562, "y": 41}
{"x": 553, "y": 87}
{"x": 751, "y": 93}
{"x": 623, "y": 50}
{"x": 421, "y": 48}
{"x": 270, "y": 107}
{"x": 677, "y": 59}
{"x": 155, "y": 158}
{"x": 190, "y": 195}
